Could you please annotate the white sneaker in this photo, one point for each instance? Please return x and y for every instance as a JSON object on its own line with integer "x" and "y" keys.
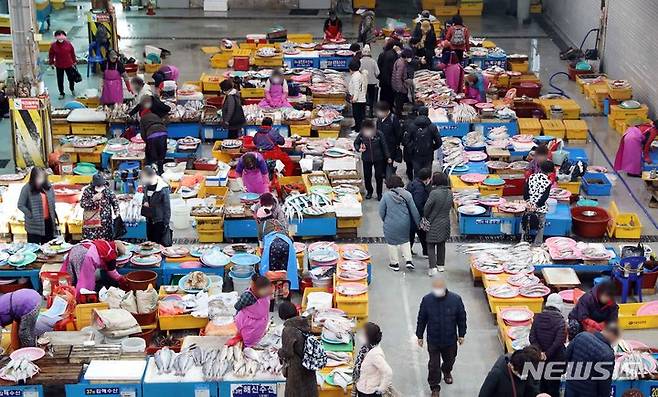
{"x": 353, "y": 134}
{"x": 441, "y": 269}
{"x": 432, "y": 272}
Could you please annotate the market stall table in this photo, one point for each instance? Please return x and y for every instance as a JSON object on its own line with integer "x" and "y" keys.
{"x": 170, "y": 385}
{"x": 30, "y": 271}
{"x": 493, "y": 280}
{"x": 304, "y": 59}
{"x": 51, "y": 373}
{"x": 171, "y": 269}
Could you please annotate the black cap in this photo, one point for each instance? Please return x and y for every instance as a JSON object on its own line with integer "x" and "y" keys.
{"x": 98, "y": 180}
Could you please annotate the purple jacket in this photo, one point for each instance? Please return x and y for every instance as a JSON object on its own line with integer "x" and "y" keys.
{"x": 588, "y": 306}
{"x": 268, "y": 138}
{"x": 261, "y": 164}
{"x": 549, "y": 333}
{"x": 15, "y": 305}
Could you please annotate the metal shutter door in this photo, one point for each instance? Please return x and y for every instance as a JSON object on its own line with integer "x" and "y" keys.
{"x": 631, "y": 49}
{"x": 574, "y": 18}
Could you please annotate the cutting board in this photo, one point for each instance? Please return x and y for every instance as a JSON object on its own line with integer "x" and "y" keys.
{"x": 118, "y": 370}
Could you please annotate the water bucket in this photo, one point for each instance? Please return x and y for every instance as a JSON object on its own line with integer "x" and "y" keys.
{"x": 240, "y": 284}
{"x": 552, "y": 205}
{"x": 180, "y": 215}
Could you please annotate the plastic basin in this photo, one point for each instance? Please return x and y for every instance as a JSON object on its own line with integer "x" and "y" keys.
{"x": 140, "y": 280}
{"x": 146, "y": 318}
{"x": 240, "y": 283}
{"x": 594, "y": 226}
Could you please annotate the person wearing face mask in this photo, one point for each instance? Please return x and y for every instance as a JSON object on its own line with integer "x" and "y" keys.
{"x": 389, "y": 125}
{"x": 437, "y": 214}
{"x": 114, "y": 76}
{"x": 233, "y": 117}
{"x": 62, "y": 56}
{"x": 276, "y": 92}
{"x": 372, "y": 375}
{"x": 333, "y": 28}
{"x": 142, "y": 91}
{"x": 593, "y": 349}
{"x": 156, "y": 207}
{"x": 370, "y": 68}
{"x": 300, "y": 381}
{"x": 100, "y": 207}
{"x": 421, "y": 140}
{"x": 37, "y": 203}
{"x": 399, "y": 79}
{"x": 420, "y": 191}
{"x": 443, "y": 315}
{"x": 594, "y": 310}
{"x": 505, "y": 378}
{"x": 253, "y": 311}
{"x": 374, "y": 154}
{"x": 154, "y": 133}
{"x": 385, "y": 63}
{"x": 358, "y": 89}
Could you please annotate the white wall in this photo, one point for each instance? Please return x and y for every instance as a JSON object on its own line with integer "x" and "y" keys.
{"x": 574, "y": 18}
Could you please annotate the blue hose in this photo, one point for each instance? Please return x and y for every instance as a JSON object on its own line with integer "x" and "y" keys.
{"x": 559, "y": 91}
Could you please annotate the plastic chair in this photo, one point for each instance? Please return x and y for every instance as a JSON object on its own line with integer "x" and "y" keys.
{"x": 630, "y": 270}
{"x": 93, "y": 60}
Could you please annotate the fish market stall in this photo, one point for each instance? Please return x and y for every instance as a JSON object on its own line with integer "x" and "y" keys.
{"x": 35, "y": 374}
{"x": 116, "y": 378}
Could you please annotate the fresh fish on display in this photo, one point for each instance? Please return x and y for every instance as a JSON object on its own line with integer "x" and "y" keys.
{"x": 523, "y": 280}
{"x": 521, "y": 254}
{"x": 164, "y": 360}
{"x": 634, "y": 365}
{"x": 335, "y": 359}
{"x": 474, "y": 139}
{"x": 182, "y": 363}
{"x": 463, "y": 113}
{"x": 342, "y": 377}
{"x": 19, "y": 370}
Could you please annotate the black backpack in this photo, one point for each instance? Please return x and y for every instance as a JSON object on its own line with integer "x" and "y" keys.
{"x": 423, "y": 141}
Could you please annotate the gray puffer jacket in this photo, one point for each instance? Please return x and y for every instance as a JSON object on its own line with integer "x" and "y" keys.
{"x": 398, "y": 211}
{"x": 437, "y": 212}
{"x": 29, "y": 203}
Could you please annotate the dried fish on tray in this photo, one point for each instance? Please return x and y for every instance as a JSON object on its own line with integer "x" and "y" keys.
{"x": 522, "y": 254}
{"x": 503, "y": 291}
{"x": 295, "y": 205}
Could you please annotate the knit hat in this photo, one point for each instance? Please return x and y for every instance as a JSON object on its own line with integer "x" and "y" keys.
{"x": 98, "y": 180}
{"x": 554, "y": 301}
{"x": 366, "y": 50}
{"x": 407, "y": 53}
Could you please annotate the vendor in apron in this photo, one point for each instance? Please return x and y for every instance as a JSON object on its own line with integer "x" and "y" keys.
{"x": 114, "y": 77}
{"x": 253, "y": 312}
{"x": 333, "y": 28}
{"x": 253, "y": 169}
{"x": 276, "y": 92}
{"x": 21, "y": 308}
{"x": 267, "y": 141}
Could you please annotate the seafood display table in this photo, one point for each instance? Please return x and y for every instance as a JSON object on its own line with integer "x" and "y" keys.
{"x": 335, "y": 63}
{"x": 487, "y": 125}
{"x": 84, "y": 389}
{"x": 169, "y": 385}
{"x": 452, "y": 128}
{"x": 264, "y": 387}
{"x": 311, "y": 226}
{"x": 121, "y": 383}
{"x": 494, "y": 280}
{"x": 182, "y": 130}
{"x": 171, "y": 269}
{"x": 305, "y": 59}
{"x": 558, "y": 223}
{"x": 560, "y": 278}
{"x": 31, "y": 271}
{"x": 51, "y": 373}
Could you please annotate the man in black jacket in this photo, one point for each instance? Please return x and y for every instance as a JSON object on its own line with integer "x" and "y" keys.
{"x": 442, "y": 313}
{"x": 374, "y": 154}
{"x": 422, "y": 139}
{"x": 408, "y": 127}
{"x": 595, "y": 350}
{"x": 389, "y": 125}
{"x": 385, "y": 62}
{"x": 420, "y": 191}
{"x": 232, "y": 113}
{"x": 156, "y": 207}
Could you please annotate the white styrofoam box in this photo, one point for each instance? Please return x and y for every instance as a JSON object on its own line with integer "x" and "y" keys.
{"x": 215, "y": 5}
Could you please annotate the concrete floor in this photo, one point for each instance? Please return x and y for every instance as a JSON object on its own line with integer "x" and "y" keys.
{"x": 394, "y": 298}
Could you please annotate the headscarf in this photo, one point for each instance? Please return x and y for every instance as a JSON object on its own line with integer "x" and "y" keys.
{"x": 107, "y": 250}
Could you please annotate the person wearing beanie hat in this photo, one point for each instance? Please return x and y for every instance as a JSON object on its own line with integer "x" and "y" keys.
{"x": 100, "y": 207}
{"x": 369, "y": 65}
{"x": 549, "y": 334}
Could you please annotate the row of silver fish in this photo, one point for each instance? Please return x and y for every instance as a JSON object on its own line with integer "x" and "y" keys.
{"x": 19, "y": 370}
{"x": 521, "y": 254}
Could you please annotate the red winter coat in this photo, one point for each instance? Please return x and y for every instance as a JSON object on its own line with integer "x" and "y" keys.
{"x": 62, "y": 55}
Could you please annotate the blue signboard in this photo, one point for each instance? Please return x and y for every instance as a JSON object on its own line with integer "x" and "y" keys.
{"x": 102, "y": 391}
{"x": 253, "y": 390}
{"x": 337, "y": 63}
{"x": 303, "y": 62}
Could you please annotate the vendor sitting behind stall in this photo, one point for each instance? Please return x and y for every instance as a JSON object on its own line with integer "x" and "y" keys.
{"x": 333, "y": 27}
{"x": 253, "y": 169}
{"x": 90, "y": 255}
{"x": 276, "y": 92}
{"x": 165, "y": 73}
{"x": 635, "y": 146}
{"x": 21, "y": 308}
{"x": 594, "y": 310}
{"x": 253, "y": 311}
{"x": 477, "y": 86}
{"x": 267, "y": 138}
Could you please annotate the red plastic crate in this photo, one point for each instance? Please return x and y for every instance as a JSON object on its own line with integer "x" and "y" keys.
{"x": 241, "y": 64}
{"x": 513, "y": 187}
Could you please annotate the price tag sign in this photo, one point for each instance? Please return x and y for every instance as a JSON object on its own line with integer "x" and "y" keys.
{"x": 30, "y": 393}
{"x": 128, "y": 393}
{"x": 202, "y": 392}
{"x": 253, "y": 390}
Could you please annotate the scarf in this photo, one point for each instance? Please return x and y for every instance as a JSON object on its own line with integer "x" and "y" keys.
{"x": 359, "y": 360}
{"x": 107, "y": 250}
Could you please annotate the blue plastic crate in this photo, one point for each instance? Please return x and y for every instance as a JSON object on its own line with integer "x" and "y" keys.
{"x": 136, "y": 231}
{"x": 316, "y": 226}
{"x": 500, "y": 61}
{"x": 240, "y": 228}
{"x": 181, "y": 130}
{"x": 249, "y": 388}
{"x": 176, "y": 389}
{"x": 648, "y": 388}
{"x": 213, "y": 132}
{"x": 489, "y": 225}
{"x": 171, "y": 269}
{"x": 577, "y": 154}
{"x": 84, "y": 389}
{"x": 301, "y": 62}
{"x": 596, "y": 184}
{"x": 116, "y": 129}
{"x": 453, "y": 129}
{"x": 559, "y": 222}
{"x": 335, "y": 63}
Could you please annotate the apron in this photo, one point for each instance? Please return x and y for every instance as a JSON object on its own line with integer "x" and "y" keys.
{"x": 252, "y": 321}
{"x": 332, "y": 32}
{"x": 112, "y": 87}
{"x": 254, "y": 181}
{"x": 277, "y": 98}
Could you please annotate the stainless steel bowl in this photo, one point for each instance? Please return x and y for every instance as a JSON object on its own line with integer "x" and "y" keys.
{"x": 589, "y": 213}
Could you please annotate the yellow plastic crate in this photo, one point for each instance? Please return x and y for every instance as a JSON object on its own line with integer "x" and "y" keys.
{"x": 84, "y": 311}
{"x": 57, "y": 4}
{"x": 209, "y": 223}
{"x": 61, "y": 128}
{"x": 368, "y": 4}
{"x": 89, "y": 102}
{"x": 570, "y": 107}
{"x": 74, "y": 227}
{"x": 554, "y": 128}
{"x": 536, "y": 9}
{"x": 220, "y": 193}
{"x": 252, "y": 93}
{"x": 522, "y": 67}
{"x": 307, "y": 292}
{"x": 576, "y": 129}
{"x": 275, "y": 61}
{"x": 347, "y": 223}
{"x": 88, "y": 128}
{"x": 628, "y": 318}
{"x": 530, "y": 126}
{"x": 573, "y": 187}
{"x": 152, "y": 67}
{"x": 92, "y": 157}
{"x": 300, "y": 129}
{"x": 247, "y": 46}
{"x": 211, "y": 237}
{"x": 332, "y": 134}
{"x": 534, "y": 304}
{"x": 446, "y": 11}
{"x": 182, "y": 321}
{"x": 212, "y": 50}
{"x": 353, "y": 306}
{"x": 220, "y": 60}
{"x": 432, "y": 4}
{"x": 619, "y": 113}
{"x": 210, "y": 82}
{"x": 300, "y": 37}
{"x": 623, "y": 224}
{"x": 620, "y": 94}
{"x": 488, "y": 190}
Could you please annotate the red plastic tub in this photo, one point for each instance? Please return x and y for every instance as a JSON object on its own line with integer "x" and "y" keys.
{"x": 594, "y": 225}
{"x": 139, "y": 280}
{"x": 529, "y": 89}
